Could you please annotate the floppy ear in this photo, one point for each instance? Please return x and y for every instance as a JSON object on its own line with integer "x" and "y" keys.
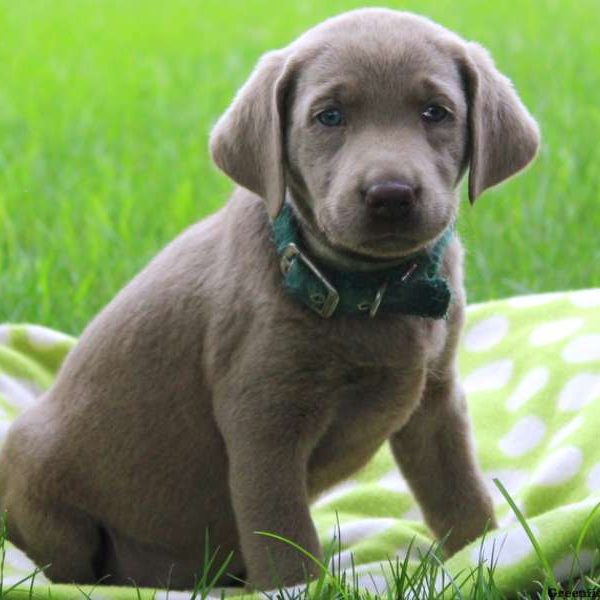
{"x": 504, "y": 137}
{"x": 247, "y": 141}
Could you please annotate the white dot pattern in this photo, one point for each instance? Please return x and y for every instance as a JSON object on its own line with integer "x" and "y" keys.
{"x": 593, "y": 479}
{"x": 586, "y": 298}
{"x": 531, "y": 384}
{"x": 580, "y": 390}
{"x": 561, "y": 466}
{"x": 504, "y": 548}
{"x": 486, "y": 334}
{"x": 583, "y": 349}
{"x": 493, "y": 376}
{"x": 548, "y": 333}
{"x": 524, "y": 436}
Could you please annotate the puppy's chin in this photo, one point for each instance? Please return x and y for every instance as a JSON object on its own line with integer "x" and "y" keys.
{"x": 391, "y": 247}
{"x": 386, "y": 253}
{"x": 384, "y": 247}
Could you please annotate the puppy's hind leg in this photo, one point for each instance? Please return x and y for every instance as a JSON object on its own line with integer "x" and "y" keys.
{"x": 64, "y": 540}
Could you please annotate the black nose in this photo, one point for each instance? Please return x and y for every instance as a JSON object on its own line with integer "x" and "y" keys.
{"x": 390, "y": 199}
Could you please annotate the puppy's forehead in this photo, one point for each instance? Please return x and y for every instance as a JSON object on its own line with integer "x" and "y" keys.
{"x": 374, "y": 51}
{"x": 383, "y": 65}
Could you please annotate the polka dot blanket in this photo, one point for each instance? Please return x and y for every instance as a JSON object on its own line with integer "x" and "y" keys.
{"x": 531, "y": 369}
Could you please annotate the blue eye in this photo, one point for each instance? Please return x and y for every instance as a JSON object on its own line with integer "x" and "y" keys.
{"x": 434, "y": 113}
{"x": 331, "y": 117}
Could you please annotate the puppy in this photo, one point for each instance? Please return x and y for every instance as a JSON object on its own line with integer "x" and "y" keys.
{"x": 272, "y": 348}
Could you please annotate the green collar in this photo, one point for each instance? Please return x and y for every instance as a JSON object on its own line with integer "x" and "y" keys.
{"x": 411, "y": 288}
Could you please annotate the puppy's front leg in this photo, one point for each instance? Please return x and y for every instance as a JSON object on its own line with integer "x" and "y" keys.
{"x": 268, "y": 486}
{"x": 434, "y": 452}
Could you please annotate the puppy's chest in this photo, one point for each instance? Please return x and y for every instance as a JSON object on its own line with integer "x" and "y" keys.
{"x": 367, "y": 348}
{"x": 375, "y": 398}
{"x": 377, "y": 380}
{"x": 369, "y": 405}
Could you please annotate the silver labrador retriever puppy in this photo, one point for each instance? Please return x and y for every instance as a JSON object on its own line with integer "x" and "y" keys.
{"x": 271, "y": 349}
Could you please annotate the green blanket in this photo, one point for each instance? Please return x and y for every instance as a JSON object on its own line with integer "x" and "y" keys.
{"x": 531, "y": 369}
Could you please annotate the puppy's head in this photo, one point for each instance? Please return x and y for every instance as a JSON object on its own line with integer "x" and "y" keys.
{"x": 370, "y": 120}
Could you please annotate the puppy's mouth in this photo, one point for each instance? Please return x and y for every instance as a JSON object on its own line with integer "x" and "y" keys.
{"x": 375, "y": 253}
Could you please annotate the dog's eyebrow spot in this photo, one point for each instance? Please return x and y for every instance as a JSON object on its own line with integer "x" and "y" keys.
{"x": 431, "y": 87}
{"x": 344, "y": 91}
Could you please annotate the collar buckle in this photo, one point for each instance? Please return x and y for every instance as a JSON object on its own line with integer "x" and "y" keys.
{"x": 324, "y": 307}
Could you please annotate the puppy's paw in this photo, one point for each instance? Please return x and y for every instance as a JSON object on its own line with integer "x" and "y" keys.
{"x": 466, "y": 531}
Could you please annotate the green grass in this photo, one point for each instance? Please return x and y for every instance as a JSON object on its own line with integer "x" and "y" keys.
{"x": 425, "y": 580}
{"x": 105, "y": 109}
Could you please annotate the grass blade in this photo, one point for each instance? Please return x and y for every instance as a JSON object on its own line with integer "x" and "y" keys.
{"x": 532, "y": 538}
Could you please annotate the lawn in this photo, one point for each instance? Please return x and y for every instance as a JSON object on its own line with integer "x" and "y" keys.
{"x": 105, "y": 110}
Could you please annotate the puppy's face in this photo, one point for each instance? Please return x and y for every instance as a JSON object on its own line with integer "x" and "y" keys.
{"x": 376, "y": 140}
{"x": 368, "y": 121}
